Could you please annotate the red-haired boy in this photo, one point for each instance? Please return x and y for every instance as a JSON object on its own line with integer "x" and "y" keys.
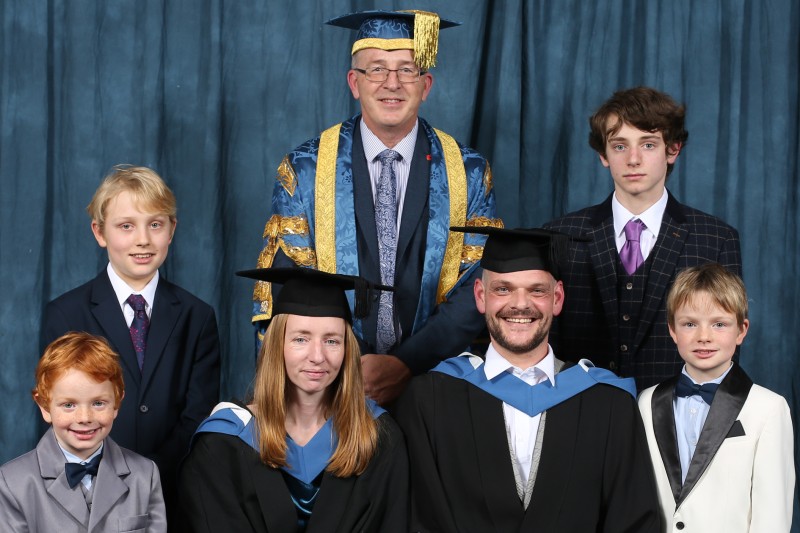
{"x": 77, "y": 478}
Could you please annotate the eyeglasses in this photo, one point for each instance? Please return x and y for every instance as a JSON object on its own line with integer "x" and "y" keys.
{"x": 381, "y": 74}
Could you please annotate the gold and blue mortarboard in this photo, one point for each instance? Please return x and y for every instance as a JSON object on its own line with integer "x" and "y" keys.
{"x": 397, "y": 30}
{"x": 513, "y": 250}
{"x": 309, "y": 292}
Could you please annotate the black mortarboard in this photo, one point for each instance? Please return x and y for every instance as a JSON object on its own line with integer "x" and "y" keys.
{"x": 397, "y": 30}
{"x": 309, "y": 292}
{"x": 512, "y": 250}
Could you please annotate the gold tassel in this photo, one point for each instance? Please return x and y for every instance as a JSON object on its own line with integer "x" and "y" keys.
{"x": 426, "y": 38}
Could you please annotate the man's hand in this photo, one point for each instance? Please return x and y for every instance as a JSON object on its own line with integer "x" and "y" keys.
{"x": 385, "y": 377}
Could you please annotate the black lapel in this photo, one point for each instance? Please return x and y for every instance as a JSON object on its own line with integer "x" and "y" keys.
{"x": 108, "y": 313}
{"x": 552, "y": 479}
{"x": 334, "y": 494}
{"x": 725, "y": 408}
{"x": 603, "y": 256}
{"x": 417, "y": 190}
{"x": 662, "y": 408}
{"x": 497, "y": 477}
{"x": 274, "y": 499}
{"x": 667, "y": 252}
{"x": 364, "y": 200}
{"x": 166, "y": 310}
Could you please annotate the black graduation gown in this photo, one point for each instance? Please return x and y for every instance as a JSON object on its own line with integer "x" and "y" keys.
{"x": 224, "y": 487}
{"x": 595, "y": 472}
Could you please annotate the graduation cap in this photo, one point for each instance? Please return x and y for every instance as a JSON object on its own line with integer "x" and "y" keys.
{"x": 397, "y": 30}
{"x": 309, "y": 292}
{"x": 512, "y": 250}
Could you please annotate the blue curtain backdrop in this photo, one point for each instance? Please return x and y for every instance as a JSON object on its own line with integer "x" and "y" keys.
{"x": 212, "y": 93}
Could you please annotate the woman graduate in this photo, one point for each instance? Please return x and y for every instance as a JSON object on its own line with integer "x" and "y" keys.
{"x": 310, "y": 453}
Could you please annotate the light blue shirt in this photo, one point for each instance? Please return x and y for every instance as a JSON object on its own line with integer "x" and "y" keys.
{"x": 690, "y": 416}
{"x": 87, "y": 479}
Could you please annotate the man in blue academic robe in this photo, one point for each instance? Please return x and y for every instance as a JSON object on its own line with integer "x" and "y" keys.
{"x": 374, "y": 196}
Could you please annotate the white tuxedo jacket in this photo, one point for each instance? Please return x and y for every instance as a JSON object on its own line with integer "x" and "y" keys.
{"x": 741, "y": 477}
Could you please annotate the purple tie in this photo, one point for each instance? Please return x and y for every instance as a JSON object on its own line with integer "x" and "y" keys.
{"x": 631, "y": 253}
{"x": 386, "y": 225}
{"x": 139, "y": 326}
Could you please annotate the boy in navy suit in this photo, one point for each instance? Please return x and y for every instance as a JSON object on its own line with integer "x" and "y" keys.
{"x": 635, "y": 242}
{"x": 721, "y": 446}
{"x": 166, "y": 338}
{"x": 78, "y": 478}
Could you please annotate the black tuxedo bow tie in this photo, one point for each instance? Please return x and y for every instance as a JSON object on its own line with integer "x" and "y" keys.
{"x": 686, "y": 387}
{"x": 76, "y": 471}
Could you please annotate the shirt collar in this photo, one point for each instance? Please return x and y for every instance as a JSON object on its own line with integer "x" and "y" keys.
{"x": 72, "y": 458}
{"x": 123, "y": 290}
{"x": 717, "y": 380}
{"x": 496, "y": 364}
{"x": 651, "y": 217}
{"x": 373, "y": 145}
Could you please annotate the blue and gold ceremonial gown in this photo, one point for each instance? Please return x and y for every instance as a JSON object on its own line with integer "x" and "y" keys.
{"x": 323, "y": 217}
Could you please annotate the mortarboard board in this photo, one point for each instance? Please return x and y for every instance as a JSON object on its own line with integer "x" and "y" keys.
{"x": 397, "y": 30}
{"x": 512, "y": 250}
{"x": 309, "y": 292}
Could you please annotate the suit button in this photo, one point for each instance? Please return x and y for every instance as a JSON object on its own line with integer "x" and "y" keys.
{"x": 612, "y": 365}
{"x": 626, "y": 317}
{"x": 143, "y": 408}
{"x": 679, "y": 525}
{"x": 623, "y": 348}
{"x": 629, "y": 285}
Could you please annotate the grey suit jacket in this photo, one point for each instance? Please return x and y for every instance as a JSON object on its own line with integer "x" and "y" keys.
{"x": 35, "y": 496}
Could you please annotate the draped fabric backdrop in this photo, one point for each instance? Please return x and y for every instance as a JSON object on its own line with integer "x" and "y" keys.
{"x": 212, "y": 93}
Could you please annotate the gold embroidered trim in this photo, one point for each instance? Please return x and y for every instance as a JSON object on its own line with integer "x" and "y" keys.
{"x": 325, "y": 200}
{"x": 484, "y": 222}
{"x": 276, "y": 227}
{"x": 383, "y": 44}
{"x": 471, "y": 254}
{"x": 286, "y": 176}
{"x": 457, "y": 185}
{"x": 300, "y": 255}
{"x": 487, "y": 180}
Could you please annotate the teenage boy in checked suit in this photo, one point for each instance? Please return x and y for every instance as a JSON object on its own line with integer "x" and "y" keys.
{"x": 638, "y": 239}
{"x": 721, "y": 446}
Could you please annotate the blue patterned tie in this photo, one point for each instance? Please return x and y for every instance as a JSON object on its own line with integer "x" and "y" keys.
{"x": 386, "y": 224}
{"x": 139, "y": 326}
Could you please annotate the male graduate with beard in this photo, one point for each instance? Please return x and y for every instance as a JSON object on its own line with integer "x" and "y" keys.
{"x": 520, "y": 441}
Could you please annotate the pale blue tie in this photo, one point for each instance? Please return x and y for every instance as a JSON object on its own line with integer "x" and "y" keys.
{"x": 386, "y": 225}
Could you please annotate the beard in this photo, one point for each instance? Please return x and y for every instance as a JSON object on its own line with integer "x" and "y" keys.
{"x": 538, "y": 336}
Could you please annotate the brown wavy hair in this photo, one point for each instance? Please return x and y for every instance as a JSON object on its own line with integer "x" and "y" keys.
{"x": 643, "y": 108}
{"x": 345, "y": 403}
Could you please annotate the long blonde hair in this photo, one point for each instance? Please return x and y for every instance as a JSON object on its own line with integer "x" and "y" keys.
{"x": 345, "y": 403}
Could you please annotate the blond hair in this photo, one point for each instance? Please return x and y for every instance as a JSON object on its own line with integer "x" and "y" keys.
{"x": 345, "y": 403}
{"x": 144, "y": 184}
{"x": 725, "y": 289}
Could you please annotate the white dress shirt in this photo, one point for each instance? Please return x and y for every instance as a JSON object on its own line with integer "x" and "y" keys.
{"x": 123, "y": 291}
{"x": 651, "y": 218}
{"x": 521, "y": 428}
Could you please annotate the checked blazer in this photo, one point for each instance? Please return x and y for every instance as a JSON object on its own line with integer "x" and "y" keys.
{"x": 589, "y": 324}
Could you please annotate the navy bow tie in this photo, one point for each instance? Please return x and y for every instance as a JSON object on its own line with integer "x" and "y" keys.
{"x": 686, "y": 387}
{"x": 76, "y": 471}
